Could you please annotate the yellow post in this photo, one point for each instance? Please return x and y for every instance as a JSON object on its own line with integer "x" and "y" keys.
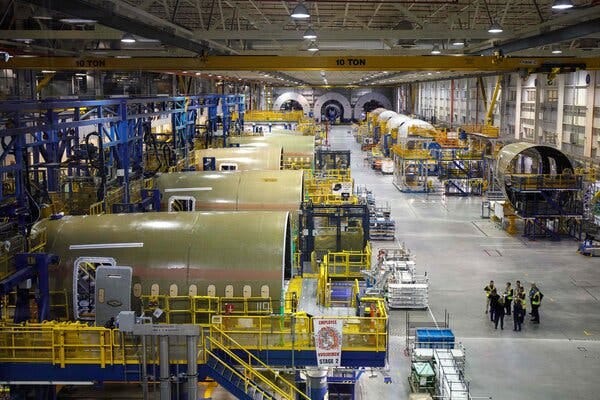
{"x": 511, "y": 229}
{"x": 489, "y": 118}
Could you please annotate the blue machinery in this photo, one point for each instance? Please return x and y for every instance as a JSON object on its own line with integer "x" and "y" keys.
{"x": 230, "y": 104}
{"x": 55, "y": 145}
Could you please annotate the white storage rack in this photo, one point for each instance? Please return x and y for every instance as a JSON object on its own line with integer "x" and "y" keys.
{"x": 405, "y": 288}
{"x": 449, "y": 367}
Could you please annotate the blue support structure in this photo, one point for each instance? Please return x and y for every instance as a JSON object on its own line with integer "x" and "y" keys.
{"x": 212, "y": 103}
{"x": 56, "y": 146}
{"x": 34, "y": 267}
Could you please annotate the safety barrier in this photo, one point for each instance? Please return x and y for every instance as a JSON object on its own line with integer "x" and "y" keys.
{"x": 348, "y": 264}
{"x": 76, "y": 343}
{"x": 225, "y": 349}
{"x": 411, "y": 154}
{"x": 200, "y": 309}
{"x": 481, "y": 129}
{"x": 542, "y": 182}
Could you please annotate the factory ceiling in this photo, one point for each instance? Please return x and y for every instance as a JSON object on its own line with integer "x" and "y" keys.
{"x": 357, "y": 28}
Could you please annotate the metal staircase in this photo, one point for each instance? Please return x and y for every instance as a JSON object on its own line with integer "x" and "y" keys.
{"x": 237, "y": 370}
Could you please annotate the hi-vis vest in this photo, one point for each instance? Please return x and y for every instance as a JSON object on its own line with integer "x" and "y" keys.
{"x": 535, "y": 300}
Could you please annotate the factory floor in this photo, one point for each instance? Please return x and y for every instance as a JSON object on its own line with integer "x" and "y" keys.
{"x": 461, "y": 253}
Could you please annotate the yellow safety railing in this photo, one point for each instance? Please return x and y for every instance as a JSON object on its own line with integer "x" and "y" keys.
{"x": 250, "y": 364}
{"x": 482, "y": 129}
{"x": 199, "y": 309}
{"x": 261, "y": 333}
{"x": 275, "y": 116}
{"x": 65, "y": 344}
{"x": 423, "y": 132}
{"x": 411, "y": 154}
{"x": 348, "y": 264}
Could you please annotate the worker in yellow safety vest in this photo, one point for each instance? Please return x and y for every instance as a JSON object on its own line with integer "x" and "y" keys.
{"x": 488, "y": 290}
{"x": 523, "y": 299}
{"x": 508, "y": 297}
{"x": 536, "y": 301}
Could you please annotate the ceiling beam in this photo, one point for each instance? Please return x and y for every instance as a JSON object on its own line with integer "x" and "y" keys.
{"x": 120, "y": 15}
{"x": 556, "y": 36}
{"x": 433, "y": 32}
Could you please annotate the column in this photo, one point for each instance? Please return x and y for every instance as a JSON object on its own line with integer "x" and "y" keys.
{"x": 537, "y": 134}
{"x": 316, "y": 383}
{"x": 589, "y": 114}
{"x": 163, "y": 354}
{"x": 518, "y": 107}
{"x": 560, "y": 112}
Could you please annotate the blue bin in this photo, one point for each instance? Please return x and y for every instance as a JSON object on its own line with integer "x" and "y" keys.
{"x": 434, "y": 338}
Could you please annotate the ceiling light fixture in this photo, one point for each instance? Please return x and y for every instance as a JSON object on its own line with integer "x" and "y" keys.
{"x": 436, "y": 49}
{"x": 310, "y": 34}
{"x": 458, "y": 42}
{"x": 313, "y": 46}
{"x": 78, "y": 21}
{"x": 556, "y": 51}
{"x": 562, "y": 4}
{"x": 495, "y": 28}
{"x": 300, "y": 11}
{"x": 127, "y": 38}
{"x": 42, "y": 14}
{"x": 48, "y": 71}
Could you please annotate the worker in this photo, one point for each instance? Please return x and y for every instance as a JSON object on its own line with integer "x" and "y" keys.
{"x": 381, "y": 257}
{"x": 499, "y": 312}
{"x": 508, "y": 297}
{"x": 494, "y": 299}
{"x": 523, "y": 301}
{"x": 517, "y": 287}
{"x": 488, "y": 289}
{"x": 535, "y": 297}
{"x": 517, "y": 314}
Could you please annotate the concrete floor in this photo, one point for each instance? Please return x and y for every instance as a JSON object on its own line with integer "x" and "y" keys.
{"x": 558, "y": 359}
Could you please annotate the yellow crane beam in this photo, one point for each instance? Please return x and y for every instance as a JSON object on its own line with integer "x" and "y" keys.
{"x": 304, "y": 63}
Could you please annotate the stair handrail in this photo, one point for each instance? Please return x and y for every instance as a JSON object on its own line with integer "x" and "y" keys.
{"x": 247, "y": 380}
{"x": 251, "y": 358}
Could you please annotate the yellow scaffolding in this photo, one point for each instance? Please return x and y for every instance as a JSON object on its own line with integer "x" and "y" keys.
{"x": 62, "y": 344}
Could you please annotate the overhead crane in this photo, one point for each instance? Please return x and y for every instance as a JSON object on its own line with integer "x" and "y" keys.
{"x": 321, "y": 63}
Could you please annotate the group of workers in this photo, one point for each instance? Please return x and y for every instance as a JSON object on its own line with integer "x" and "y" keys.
{"x": 512, "y": 299}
